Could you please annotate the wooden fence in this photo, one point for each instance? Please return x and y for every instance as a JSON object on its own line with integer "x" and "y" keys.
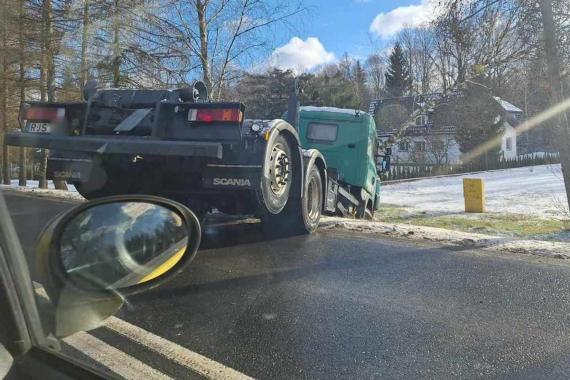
{"x": 406, "y": 171}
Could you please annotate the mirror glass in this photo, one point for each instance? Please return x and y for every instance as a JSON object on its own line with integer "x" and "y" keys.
{"x": 121, "y": 244}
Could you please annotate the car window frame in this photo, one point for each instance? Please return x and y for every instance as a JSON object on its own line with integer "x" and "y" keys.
{"x": 22, "y": 318}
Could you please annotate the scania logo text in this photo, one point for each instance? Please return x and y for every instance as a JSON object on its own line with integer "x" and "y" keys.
{"x": 231, "y": 182}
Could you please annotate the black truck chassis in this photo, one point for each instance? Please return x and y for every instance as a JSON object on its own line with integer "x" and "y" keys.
{"x": 147, "y": 142}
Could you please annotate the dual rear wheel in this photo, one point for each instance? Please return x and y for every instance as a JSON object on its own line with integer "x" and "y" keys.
{"x": 288, "y": 214}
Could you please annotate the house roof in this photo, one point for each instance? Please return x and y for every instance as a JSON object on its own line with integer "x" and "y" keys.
{"x": 509, "y": 107}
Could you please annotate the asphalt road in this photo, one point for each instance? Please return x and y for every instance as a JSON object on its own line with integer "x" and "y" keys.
{"x": 337, "y": 305}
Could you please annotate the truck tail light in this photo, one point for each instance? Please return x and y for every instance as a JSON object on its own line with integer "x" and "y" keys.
{"x": 210, "y": 115}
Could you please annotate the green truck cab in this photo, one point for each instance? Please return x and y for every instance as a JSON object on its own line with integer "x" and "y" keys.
{"x": 348, "y": 141}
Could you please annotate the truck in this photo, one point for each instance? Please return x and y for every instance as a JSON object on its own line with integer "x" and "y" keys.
{"x": 204, "y": 154}
{"x": 348, "y": 141}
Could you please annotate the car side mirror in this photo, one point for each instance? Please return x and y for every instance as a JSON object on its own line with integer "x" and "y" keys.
{"x": 93, "y": 256}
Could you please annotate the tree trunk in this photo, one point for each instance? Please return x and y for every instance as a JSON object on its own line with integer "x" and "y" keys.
{"x": 22, "y": 69}
{"x": 4, "y": 90}
{"x": 116, "y": 46}
{"x": 556, "y": 85}
{"x": 45, "y": 46}
{"x": 204, "y": 58}
{"x": 50, "y": 52}
{"x": 84, "y": 40}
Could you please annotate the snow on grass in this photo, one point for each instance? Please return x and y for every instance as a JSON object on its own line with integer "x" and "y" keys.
{"x": 503, "y": 244}
{"x": 33, "y": 188}
{"x": 534, "y": 190}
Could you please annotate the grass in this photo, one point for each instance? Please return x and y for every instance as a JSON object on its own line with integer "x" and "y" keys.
{"x": 518, "y": 225}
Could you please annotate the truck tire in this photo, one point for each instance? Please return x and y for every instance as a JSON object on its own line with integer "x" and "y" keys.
{"x": 276, "y": 185}
{"x": 89, "y": 192}
{"x": 300, "y": 216}
{"x": 364, "y": 210}
{"x": 103, "y": 185}
{"x": 312, "y": 201}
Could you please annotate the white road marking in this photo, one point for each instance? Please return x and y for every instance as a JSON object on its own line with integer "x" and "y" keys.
{"x": 105, "y": 354}
{"x": 117, "y": 361}
{"x": 183, "y": 356}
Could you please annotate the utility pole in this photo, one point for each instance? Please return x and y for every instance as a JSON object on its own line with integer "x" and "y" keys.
{"x": 556, "y": 89}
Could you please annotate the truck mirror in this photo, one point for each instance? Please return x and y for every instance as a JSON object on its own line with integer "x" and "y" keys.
{"x": 96, "y": 254}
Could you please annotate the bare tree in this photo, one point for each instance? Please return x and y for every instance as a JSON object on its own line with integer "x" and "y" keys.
{"x": 417, "y": 152}
{"x": 223, "y": 35}
{"x": 375, "y": 67}
{"x": 556, "y": 89}
{"x": 486, "y": 33}
{"x": 4, "y": 14}
{"x": 418, "y": 43}
{"x": 438, "y": 146}
{"x": 22, "y": 84}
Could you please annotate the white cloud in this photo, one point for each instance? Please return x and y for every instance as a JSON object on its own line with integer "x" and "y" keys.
{"x": 301, "y": 55}
{"x": 390, "y": 23}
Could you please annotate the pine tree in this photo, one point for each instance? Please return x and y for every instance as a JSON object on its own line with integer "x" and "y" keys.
{"x": 398, "y": 79}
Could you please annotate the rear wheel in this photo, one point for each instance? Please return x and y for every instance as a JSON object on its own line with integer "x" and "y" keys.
{"x": 278, "y": 175}
{"x": 88, "y": 191}
{"x": 364, "y": 210}
{"x": 312, "y": 201}
{"x": 300, "y": 216}
{"x": 103, "y": 184}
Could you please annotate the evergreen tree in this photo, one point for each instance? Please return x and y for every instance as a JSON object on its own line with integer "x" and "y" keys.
{"x": 398, "y": 79}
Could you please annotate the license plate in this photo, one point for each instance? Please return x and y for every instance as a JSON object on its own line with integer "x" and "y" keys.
{"x": 38, "y": 127}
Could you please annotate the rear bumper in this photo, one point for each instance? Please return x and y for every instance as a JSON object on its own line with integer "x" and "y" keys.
{"x": 117, "y": 145}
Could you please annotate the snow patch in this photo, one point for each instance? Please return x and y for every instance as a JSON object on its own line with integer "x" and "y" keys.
{"x": 534, "y": 190}
{"x": 457, "y": 238}
{"x": 32, "y": 187}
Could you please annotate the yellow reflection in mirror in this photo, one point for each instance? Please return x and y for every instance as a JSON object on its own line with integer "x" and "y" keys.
{"x": 164, "y": 267}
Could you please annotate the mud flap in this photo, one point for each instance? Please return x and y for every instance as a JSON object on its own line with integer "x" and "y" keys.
{"x": 76, "y": 169}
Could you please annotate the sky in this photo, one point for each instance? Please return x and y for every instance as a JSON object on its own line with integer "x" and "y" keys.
{"x": 332, "y": 28}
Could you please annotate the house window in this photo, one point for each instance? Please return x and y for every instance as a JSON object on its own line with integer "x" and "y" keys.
{"x": 319, "y": 132}
{"x": 404, "y": 146}
{"x": 421, "y": 120}
{"x": 437, "y": 146}
{"x": 509, "y": 143}
{"x": 420, "y": 146}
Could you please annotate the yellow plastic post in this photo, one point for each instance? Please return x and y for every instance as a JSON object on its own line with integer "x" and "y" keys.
{"x": 474, "y": 194}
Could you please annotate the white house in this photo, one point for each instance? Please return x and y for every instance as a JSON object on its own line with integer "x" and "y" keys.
{"x": 426, "y": 143}
{"x": 514, "y": 116}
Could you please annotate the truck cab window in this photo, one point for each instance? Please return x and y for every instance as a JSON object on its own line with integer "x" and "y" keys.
{"x": 320, "y": 132}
